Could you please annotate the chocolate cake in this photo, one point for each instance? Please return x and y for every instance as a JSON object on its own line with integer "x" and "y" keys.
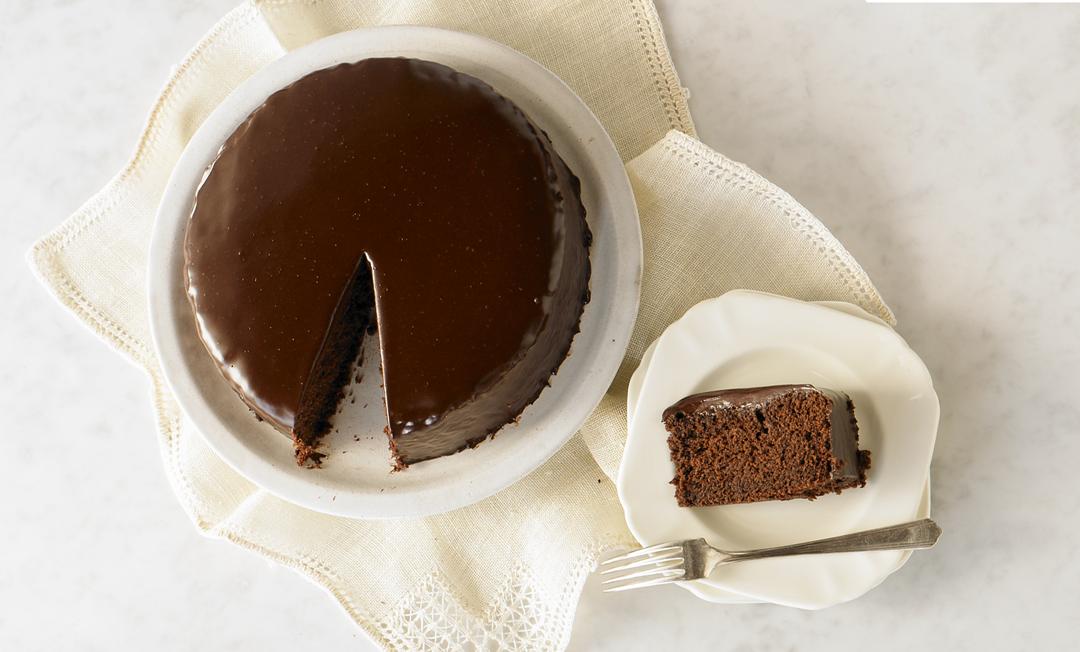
{"x": 764, "y": 443}
{"x": 401, "y": 194}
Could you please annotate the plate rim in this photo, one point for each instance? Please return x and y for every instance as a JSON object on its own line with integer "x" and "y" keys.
{"x": 355, "y": 45}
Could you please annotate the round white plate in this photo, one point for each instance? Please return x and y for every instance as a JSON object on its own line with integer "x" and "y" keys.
{"x": 703, "y": 590}
{"x": 355, "y": 479}
{"x": 746, "y": 339}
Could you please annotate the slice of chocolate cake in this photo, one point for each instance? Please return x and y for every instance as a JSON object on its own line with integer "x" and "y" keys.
{"x": 764, "y": 443}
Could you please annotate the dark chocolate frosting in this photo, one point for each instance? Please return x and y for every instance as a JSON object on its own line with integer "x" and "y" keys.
{"x": 471, "y": 224}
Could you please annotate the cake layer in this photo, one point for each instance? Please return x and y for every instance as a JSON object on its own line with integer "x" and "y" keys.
{"x": 469, "y": 225}
{"x": 764, "y": 443}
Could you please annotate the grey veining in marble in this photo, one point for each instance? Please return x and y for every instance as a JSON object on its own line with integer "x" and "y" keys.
{"x": 939, "y": 142}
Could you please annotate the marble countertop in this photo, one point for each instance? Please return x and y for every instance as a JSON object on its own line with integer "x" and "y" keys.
{"x": 940, "y": 144}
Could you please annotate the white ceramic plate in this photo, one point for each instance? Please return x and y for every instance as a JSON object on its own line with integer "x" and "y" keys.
{"x": 706, "y": 591}
{"x": 356, "y": 479}
{"x": 746, "y": 339}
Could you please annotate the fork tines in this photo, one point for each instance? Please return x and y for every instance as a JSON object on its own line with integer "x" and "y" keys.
{"x": 650, "y": 566}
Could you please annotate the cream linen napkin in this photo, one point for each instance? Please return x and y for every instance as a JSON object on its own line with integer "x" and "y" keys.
{"x": 507, "y": 571}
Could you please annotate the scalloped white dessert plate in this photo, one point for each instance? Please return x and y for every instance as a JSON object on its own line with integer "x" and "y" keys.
{"x": 715, "y": 594}
{"x": 355, "y": 479}
{"x": 746, "y": 339}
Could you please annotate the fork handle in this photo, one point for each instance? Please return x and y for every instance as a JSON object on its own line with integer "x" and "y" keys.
{"x": 916, "y": 534}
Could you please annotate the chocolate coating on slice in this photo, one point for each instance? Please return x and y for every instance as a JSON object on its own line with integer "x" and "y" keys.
{"x": 424, "y": 185}
{"x": 764, "y": 443}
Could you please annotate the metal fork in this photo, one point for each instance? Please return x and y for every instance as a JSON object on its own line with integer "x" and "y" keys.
{"x": 680, "y": 561}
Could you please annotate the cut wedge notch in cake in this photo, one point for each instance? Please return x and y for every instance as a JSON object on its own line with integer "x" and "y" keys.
{"x": 401, "y": 192}
{"x": 764, "y": 443}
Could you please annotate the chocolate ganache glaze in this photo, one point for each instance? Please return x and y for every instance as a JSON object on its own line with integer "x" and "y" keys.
{"x": 398, "y": 192}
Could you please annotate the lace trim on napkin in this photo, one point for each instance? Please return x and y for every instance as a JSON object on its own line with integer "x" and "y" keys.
{"x": 522, "y": 616}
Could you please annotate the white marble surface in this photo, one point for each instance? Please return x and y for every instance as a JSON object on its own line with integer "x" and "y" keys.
{"x": 938, "y": 142}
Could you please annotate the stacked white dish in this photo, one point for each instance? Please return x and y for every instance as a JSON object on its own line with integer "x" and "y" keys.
{"x": 748, "y": 339}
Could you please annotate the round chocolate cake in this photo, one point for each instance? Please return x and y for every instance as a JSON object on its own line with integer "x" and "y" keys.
{"x": 402, "y": 196}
